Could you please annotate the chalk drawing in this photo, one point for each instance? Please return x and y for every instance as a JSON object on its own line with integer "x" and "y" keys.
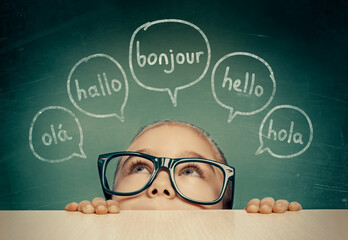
{"x": 56, "y": 134}
{"x": 290, "y": 136}
{"x": 169, "y": 60}
{"x": 101, "y": 87}
{"x": 250, "y": 88}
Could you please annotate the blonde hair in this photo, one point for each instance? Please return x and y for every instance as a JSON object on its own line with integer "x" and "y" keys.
{"x": 219, "y": 155}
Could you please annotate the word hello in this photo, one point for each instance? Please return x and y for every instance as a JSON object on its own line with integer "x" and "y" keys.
{"x": 179, "y": 58}
{"x": 104, "y": 89}
{"x": 246, "y": 89}
{"x": 282, "y": 135}
{"x": 62, "y": 136}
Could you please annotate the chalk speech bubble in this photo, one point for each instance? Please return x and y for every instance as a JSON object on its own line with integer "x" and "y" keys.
{"x": 243, "y": 83}
{"x": 159, "y": 51}
{"x": 54, "y": 134}
{"x": 96, "y": 84}
{"x": 288, "y": 130}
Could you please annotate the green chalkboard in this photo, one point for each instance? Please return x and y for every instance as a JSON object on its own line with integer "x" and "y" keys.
{"x": 266, "y": 79}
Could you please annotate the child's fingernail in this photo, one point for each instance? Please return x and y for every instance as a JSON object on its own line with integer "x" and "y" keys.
{"x": 252, "y": 209}
{"x": 265, "y": 209}
{"x": 114, "y": 209}
{"x": 294, "y": 206}
{"x": 101, "y": 210}
{"x": 279, "y": 208}
{"x": 88, "y": 209}
{"x": 72, "y": 206}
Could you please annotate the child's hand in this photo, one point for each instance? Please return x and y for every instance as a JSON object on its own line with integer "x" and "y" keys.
{"x": 268, "y": 205}
{"x": 98, "y": 206}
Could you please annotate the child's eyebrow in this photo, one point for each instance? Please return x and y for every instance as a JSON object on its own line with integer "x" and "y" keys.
{"x": 184, "y": 154}
{"x": 191, "y": 154}
{"x": 146, "y": 151}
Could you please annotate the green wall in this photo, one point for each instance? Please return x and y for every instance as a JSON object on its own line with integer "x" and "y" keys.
{"x": 80, "y": 78}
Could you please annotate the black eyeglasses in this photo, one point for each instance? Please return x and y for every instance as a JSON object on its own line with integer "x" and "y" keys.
{"x": 197, "y": 180}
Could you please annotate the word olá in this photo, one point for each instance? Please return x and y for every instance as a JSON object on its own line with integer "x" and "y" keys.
{"x": 62, "y": 136}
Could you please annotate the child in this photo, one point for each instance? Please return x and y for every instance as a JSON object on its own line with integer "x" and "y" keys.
{"x": 172, "y": 139}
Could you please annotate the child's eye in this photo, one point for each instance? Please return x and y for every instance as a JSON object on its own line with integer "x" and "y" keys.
{"x": 140, "y": 167}
{"x": 192, "y": 171}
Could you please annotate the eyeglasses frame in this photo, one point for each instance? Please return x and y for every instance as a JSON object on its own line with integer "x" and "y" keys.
{"x": 169, "y": 164}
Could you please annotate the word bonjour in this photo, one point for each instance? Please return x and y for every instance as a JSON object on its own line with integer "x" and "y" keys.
{"x": 236, "y": 84}
{"x": 105, "y": 89}
{"x": 62, "y": 136}
{"x": 180, "y": 58}
{"x": 284, "y": 134}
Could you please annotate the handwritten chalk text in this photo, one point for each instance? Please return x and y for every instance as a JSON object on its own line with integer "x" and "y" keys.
{"x": 246, "y": 89}
{"x": 62, "y": 136}
{"x": 283, "y": 134}
{"x": 105, "y": 88}
{"x": 179, "y": 58}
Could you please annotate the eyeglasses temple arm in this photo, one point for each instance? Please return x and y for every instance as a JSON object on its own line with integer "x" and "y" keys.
{"x": 232, "y": 191}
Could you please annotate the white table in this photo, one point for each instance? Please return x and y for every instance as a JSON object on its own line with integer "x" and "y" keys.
{"x": 175, "y": 224}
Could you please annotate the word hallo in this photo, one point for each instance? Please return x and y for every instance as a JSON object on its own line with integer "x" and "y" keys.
{"x": 180, "y": 58}
{"x": 105, "y": 88}
{"x": 283, "y": 134}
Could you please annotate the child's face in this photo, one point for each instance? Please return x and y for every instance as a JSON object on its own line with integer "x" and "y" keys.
{"x": 172, "y": 142}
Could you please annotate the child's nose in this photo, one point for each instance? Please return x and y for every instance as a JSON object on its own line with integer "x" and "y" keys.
{"x": 161, "y": 186}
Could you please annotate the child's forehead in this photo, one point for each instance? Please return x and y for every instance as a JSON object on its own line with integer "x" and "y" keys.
{"x": 178, "y": 139}
{"x": 175, "y": 132}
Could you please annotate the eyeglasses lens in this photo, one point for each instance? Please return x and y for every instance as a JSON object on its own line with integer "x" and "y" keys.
{"x": 199, "y": 181}
{"x": 128, "y": 174}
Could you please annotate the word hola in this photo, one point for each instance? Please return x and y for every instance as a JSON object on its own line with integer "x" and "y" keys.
{"x": 104, "y": 89}
{"x": 236, "y": 84}
{"x": 62, "y": 136}
{"x": 179, "y": 58}
{"x": 282, "y": 135}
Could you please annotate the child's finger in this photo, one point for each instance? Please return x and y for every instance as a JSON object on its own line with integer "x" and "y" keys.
{"x": 113, "y": 206}
{"x": 280, "y": 206}
{"x": 266, "y": 205}
{"x": 86, "y": 207}
{"x": 99, "y": 205}
{"x": 72, "y": 207}
{"x": 253, "y": 205}
{"x": 295, "y": 206}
